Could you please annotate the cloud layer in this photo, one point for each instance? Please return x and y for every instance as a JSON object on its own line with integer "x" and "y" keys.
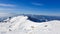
{"x": 7, "y": 5}
{"x": 37, "y": 4}
{"x": 5, "y": 14}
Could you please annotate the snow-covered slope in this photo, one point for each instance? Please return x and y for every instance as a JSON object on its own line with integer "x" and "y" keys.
{"x": 21, "y": 25}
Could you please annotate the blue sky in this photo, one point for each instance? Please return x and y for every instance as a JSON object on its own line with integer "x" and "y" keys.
{"x": 42, "y": 7}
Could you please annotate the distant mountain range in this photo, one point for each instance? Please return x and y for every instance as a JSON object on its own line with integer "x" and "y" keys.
{"x": 34, "y": 18}
{"x": 42, "y": 18}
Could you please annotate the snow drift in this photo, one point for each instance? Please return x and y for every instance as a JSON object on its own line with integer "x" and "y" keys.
{"x": 21, "y": 25}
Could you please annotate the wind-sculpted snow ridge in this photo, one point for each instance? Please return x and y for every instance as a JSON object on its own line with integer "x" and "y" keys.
{"x": 21, "y": 25}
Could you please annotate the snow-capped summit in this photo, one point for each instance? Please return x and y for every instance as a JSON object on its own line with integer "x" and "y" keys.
{"x": 22, "y": 25}
{"x": 16, "y": 21}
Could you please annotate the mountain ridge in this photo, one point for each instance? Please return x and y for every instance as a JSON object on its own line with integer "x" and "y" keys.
{"x": 34, "y": 18}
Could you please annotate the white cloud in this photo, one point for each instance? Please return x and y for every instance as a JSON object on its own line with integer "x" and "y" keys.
{"x": 6, "y": 9}
{"x": 8, "y": 5}
{"x": 37, "y": 4}
{"x": 6, "y": 14}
